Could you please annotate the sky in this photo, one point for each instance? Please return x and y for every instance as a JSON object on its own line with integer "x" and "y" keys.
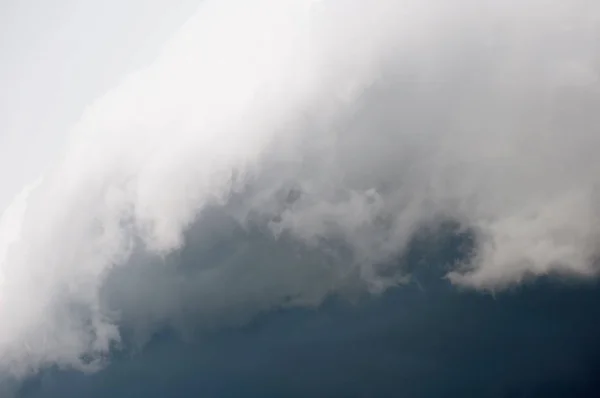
{"x": 424, "y": 339}
{"x": 56, "y": 59}
{"x": 172, "y": 173}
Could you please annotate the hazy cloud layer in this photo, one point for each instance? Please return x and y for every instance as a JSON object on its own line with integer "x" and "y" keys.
{"x": 341, "y": 128}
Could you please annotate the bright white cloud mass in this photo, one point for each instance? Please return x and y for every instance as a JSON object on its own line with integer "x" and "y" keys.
{"x": 336, "y": 128}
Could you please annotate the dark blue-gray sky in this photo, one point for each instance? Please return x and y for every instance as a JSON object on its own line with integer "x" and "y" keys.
{"x": 426, "y": 339}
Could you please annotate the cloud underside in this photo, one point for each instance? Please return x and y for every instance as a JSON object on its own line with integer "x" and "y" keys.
{"x": 339, "y": 131}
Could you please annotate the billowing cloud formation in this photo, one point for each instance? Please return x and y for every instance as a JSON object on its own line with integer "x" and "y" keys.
{"x": 338, "y": 128}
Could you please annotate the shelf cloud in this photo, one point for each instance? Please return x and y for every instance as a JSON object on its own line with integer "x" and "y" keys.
{"x": 279, "y": 152}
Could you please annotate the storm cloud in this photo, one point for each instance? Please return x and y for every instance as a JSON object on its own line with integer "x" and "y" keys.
{"x": 339, "y": 130}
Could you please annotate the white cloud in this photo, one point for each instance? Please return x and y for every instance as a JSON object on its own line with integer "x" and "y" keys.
{"x": 382, "y": 116}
